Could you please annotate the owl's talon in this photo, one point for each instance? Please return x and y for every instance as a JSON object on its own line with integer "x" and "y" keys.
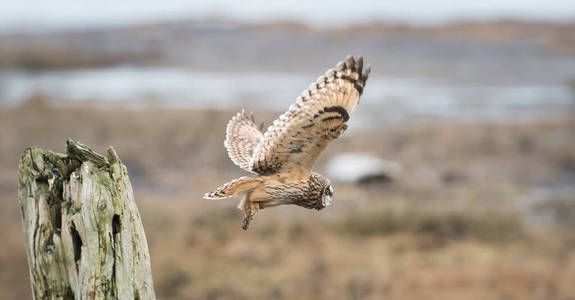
{"x": 247, "y": 219}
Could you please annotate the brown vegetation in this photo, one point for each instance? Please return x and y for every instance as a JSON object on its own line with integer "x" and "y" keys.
{"x": 556, "y": 35}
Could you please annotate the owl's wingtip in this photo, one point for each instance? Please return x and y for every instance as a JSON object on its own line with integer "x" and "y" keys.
{"x": 366, "y": 72}
{"x": 209, "y": 196}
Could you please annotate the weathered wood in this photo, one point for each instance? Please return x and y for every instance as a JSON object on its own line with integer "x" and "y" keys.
{"x": 83, "y": 233}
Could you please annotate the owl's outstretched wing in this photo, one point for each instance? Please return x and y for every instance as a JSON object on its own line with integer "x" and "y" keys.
{"x": 295, "y": 140}
{"x": 242, "y": 137}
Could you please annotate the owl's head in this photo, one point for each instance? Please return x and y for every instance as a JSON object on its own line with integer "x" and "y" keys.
{"x": 323, "y": 191}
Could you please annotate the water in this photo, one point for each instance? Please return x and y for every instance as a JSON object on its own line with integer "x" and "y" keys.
{"x": 391, "y": 98}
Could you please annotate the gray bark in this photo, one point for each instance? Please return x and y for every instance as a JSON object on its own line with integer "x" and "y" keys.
{"x": 83, "y": 233}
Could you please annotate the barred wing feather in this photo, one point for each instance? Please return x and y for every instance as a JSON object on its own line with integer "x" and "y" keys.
{"x": 295, "y": 140}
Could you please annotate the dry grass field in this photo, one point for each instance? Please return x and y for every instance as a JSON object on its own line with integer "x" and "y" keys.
{"x": 466, "y": 220}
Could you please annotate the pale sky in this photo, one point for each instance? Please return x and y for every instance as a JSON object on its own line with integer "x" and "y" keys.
{"x": 34, "y": 15}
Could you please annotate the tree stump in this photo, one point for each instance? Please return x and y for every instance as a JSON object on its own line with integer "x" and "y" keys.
{"x": 83, "y": 233}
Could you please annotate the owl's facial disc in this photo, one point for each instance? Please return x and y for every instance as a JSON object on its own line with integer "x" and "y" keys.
{"x": 328, "y": 196}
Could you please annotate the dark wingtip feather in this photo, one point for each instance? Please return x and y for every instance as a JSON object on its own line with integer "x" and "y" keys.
{"x": 366, "y": 72}
{"x": 359, "y": 63}
{"x": 350, "y": 62}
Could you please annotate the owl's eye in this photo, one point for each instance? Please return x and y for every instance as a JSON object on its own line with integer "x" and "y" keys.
{"x": 327, "y": 192}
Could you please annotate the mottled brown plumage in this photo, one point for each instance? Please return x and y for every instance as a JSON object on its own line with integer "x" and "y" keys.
{"x": 283, "y": 156}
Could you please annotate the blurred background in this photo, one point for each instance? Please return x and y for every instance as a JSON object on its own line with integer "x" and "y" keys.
{"x": 463, "y": 147}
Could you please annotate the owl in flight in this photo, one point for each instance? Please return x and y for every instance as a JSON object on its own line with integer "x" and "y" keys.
{"x": 283, "y": 156}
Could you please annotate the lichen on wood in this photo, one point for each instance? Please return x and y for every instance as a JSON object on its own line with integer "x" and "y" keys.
{"x": 83, "y": 233}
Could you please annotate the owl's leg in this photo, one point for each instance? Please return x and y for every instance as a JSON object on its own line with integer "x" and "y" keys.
{"x": 250, "y": 210}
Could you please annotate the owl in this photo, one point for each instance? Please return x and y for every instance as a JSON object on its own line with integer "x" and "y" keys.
{"x": 282, "y": 158}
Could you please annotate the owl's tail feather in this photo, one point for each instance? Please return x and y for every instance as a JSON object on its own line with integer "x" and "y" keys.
{"x": 237, "y": 186}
